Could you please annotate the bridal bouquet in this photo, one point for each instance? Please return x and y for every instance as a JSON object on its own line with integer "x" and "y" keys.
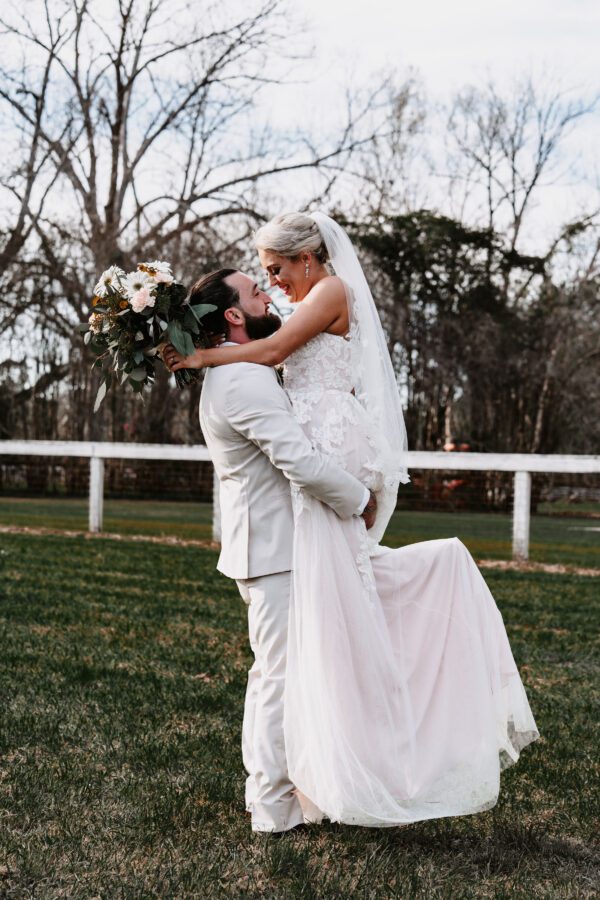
{"x": 133, "y": 317}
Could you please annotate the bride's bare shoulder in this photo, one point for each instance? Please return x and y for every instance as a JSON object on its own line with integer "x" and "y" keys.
{"x": 331, "y": 288}
{"x": 328, "y": 298}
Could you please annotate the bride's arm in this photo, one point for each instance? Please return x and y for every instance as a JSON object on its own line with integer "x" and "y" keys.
{"x": 324, "y": 306}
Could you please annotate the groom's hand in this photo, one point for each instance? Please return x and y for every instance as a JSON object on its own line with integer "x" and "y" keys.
{"x": 174, "y": 360}
{"x": 370, "y": 511}
{"x": 170, "y": 357}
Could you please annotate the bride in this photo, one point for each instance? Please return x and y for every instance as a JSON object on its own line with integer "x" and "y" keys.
{"x": 402, "y": 698}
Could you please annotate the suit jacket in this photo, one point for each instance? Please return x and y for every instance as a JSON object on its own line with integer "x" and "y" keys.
{"x": 258, "y": 448}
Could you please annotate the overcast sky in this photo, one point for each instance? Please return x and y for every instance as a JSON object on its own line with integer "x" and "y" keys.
{"x": 451, "y": 43}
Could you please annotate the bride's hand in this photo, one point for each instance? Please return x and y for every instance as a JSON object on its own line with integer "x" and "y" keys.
{"x": 174, "y": 360}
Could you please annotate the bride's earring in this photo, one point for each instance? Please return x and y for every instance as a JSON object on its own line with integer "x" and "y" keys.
{"x": 306, "y": 269}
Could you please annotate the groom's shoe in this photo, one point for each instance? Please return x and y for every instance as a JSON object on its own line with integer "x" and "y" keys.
{"x": 294, "y": 829}
{"x": 276, "y": 824}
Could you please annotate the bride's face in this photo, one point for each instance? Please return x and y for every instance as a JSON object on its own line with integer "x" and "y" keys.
{"x": 289, "y": 275}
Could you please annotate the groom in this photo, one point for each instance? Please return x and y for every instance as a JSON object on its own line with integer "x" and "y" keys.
{"x": 258, "y": 448}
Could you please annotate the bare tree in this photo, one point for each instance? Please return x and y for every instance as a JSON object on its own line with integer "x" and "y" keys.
{"x": 135, "y": 138}
{"x": 507, "y": 145}
{"x": 385, "y": 175}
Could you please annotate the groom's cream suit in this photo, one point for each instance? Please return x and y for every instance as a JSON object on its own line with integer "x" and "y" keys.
{"x": 258, "y": 448}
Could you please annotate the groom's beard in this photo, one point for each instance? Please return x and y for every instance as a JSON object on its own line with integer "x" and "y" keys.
{"x": 258, "y": 327}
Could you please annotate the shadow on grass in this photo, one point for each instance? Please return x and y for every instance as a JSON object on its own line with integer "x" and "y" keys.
{"x": 486, "y": 857}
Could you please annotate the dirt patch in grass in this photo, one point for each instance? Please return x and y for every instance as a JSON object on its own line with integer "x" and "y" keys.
{"x": 173, "y": 541}
{"x": 510, "y": 565}
{"x": 168, "y": 540}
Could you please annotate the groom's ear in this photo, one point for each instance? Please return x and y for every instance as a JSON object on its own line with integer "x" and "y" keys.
{"x": 234, "y": 316}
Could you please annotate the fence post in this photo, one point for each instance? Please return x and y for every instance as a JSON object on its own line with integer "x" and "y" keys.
{"x": 216, "y": 529}
{"x": 521, "y": 515}
{"x": 96, "y": 493}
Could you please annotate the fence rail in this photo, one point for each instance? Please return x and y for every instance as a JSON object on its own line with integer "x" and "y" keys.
{"x": 522, "y": 464}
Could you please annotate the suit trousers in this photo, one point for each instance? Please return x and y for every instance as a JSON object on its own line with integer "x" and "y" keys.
{"x": 269, "y": 791}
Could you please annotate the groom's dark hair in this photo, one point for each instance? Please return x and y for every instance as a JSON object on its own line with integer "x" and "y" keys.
{"x": 213, "y": 289}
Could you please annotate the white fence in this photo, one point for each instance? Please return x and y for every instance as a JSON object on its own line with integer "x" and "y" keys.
{"x": 522, "y": 464}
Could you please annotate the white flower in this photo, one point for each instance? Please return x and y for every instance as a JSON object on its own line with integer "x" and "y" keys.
{"x": 159, "y": 270}
{"x": 135, "y": 281}
{"x": 141, "y": 299}
{"x": 163, "y": 278}
{"x": 160, "y": 265}
{"x": 109, "y": 280}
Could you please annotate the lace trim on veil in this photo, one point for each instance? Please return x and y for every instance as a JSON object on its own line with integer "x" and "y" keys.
{"x": 376, "y": 387}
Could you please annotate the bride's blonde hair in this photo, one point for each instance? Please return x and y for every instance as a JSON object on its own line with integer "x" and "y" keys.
{"x": 289, "y": 234}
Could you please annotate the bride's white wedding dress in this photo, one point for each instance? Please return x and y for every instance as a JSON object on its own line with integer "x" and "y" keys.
{"x": 403, "y": 701}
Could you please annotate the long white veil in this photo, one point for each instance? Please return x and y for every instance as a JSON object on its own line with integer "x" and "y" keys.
{"x": 375, "y": 386}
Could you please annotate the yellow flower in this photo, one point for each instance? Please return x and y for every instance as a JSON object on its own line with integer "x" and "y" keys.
{"x": 96, "y": 300}
{"x": 123, "y": 304}
{"x": 142, "y": 267}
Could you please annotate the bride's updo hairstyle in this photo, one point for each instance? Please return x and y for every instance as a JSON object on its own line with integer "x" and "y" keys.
{"x": 290, "y": 234}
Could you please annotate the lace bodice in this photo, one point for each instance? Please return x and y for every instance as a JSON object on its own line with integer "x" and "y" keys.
{"x": 319, "y": 381}
{"x": 323, "y": 364}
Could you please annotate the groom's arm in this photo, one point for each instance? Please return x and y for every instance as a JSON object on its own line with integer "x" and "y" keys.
{"x": 258, "y": 408}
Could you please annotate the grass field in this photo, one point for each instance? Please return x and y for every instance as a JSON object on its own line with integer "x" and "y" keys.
{"x": 561, "y": 539}
{"x": 122, "y": 675}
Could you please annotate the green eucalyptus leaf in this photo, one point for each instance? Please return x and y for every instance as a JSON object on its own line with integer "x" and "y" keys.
{"x": 190, "y": 322}
{"x": 180, "y": 338}
{"x": 189, "y": 344}
{"x": 138, "y": 374}
{"x": 100, "y": 396}
{"x": 202, "y": 309}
